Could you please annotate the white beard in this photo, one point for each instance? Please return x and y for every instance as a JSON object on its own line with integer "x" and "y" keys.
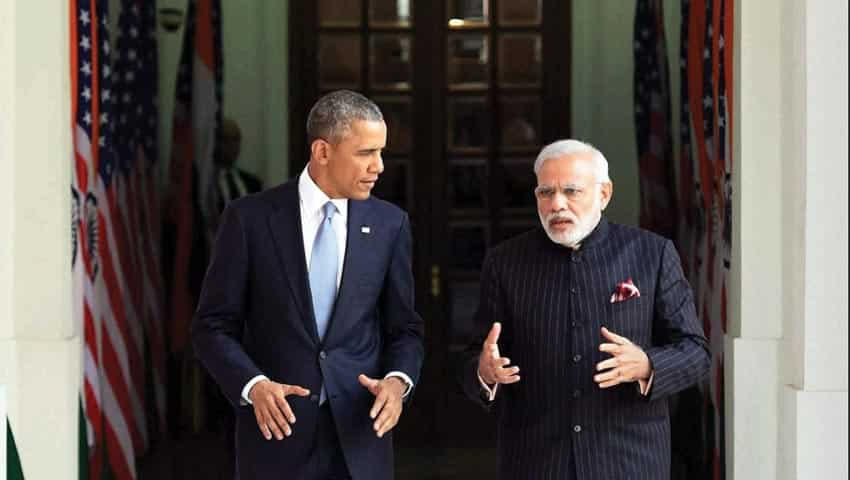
{"x": 571, "y": 238}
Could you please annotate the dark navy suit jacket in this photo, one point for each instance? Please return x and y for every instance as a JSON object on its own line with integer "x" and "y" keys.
{"x": 552, "y": 301}
{"x": 255, "y": 316}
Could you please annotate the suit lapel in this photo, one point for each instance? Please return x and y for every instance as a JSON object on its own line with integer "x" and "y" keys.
{"x": 285, "y": 225}
{"x": 355, "y": 265}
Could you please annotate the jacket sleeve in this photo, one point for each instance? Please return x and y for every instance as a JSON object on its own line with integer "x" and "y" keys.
{"x": 403, "y": 328}
{"x": 680, "y": 355}
{"x": 490, "y": 310}
{"x": 219, "y": 321}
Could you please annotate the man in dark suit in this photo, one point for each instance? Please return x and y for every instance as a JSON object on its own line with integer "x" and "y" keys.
{"x": 307, "y": 309}
{"x": 233, "y": 182}
{"x": 601, "y": 321}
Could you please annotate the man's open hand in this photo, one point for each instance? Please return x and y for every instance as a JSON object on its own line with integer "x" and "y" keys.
{"x": 492, "y": 367}
{"x": 274, "y": 415}
{"x": 628, "y": 362}
{"x": 387, "y": 408}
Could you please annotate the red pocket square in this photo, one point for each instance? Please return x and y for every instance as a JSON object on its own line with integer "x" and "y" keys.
{"x": 624, "y": 291}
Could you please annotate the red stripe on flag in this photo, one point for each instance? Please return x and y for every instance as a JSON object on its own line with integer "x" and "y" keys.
{"x": 204, "y": 33}
{"x": 120, "y": 468}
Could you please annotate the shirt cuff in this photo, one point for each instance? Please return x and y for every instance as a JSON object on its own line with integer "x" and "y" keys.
{"x": 491, "y": 392}
{"x": 403, "y": 376}
{"x": 246, "y": 400}
{"x": 645, "y": 385}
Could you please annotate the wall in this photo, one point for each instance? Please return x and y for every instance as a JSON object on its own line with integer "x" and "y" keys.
{"x": 39, "y": 344}
{"x": 602, "y": 91}
{"x": 256, "y": 83}
{"x": 255, "y": 90}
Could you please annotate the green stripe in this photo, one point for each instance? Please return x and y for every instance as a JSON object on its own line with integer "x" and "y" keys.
{"x": 13, "y": 461}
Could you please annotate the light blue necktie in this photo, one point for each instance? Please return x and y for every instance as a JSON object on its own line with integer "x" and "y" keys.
{"x": 324, "y": 264}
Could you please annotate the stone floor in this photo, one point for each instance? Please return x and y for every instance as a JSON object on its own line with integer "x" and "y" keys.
{"x": 202, "y": 457}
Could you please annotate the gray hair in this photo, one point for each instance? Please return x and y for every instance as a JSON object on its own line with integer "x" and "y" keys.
{"x": 332, "y": 115}
{"x": 562, "y": 148}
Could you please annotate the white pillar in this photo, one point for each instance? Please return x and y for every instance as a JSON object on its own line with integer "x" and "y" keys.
{"x": 786, "y": 382}
{"x": 7, "y": 217}
{"x": 755, "y": 330}
{"x": 813, "y": 401}
{"x": 39, "y": 346}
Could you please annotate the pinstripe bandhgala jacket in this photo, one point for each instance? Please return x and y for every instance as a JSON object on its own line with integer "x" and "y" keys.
{"x": 556, "y": 423}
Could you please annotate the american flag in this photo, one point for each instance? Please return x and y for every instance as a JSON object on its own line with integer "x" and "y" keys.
{"x": 134, "y": 125}
{"x": 658, "y": 209}
{"x": 687, "y": 192}
{"x": 115, "y": 275}
{"x": 84, "y": 232}
{"x": 708, "y": 30}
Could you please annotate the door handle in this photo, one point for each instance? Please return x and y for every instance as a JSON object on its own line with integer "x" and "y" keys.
{"x": 435, "y": 281}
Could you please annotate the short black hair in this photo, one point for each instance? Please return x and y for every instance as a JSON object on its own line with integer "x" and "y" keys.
{"x": 331, "y": 116}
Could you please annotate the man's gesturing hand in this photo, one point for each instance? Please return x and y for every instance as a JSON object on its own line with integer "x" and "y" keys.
{"x": 388, "y": 401}
{"x": 273, "y": 413}
{"x": 493, "y": 368}
{"x": 628, "y": 362}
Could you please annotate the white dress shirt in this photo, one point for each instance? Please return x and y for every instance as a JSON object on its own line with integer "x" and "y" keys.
{"x": 312, "y": 202}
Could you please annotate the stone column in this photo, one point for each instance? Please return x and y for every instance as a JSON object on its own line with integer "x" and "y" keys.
{"x": 39, "y": 343}
{"x": 786, "y": 382}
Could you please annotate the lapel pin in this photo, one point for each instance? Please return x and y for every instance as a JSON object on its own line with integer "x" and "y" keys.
{"x": 365, "y": 229}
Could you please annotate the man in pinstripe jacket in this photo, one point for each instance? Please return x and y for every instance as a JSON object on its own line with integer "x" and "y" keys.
{"x": 600, "y": 319}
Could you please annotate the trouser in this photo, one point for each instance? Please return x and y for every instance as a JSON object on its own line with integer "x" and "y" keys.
{"x": 327, "y": 455}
